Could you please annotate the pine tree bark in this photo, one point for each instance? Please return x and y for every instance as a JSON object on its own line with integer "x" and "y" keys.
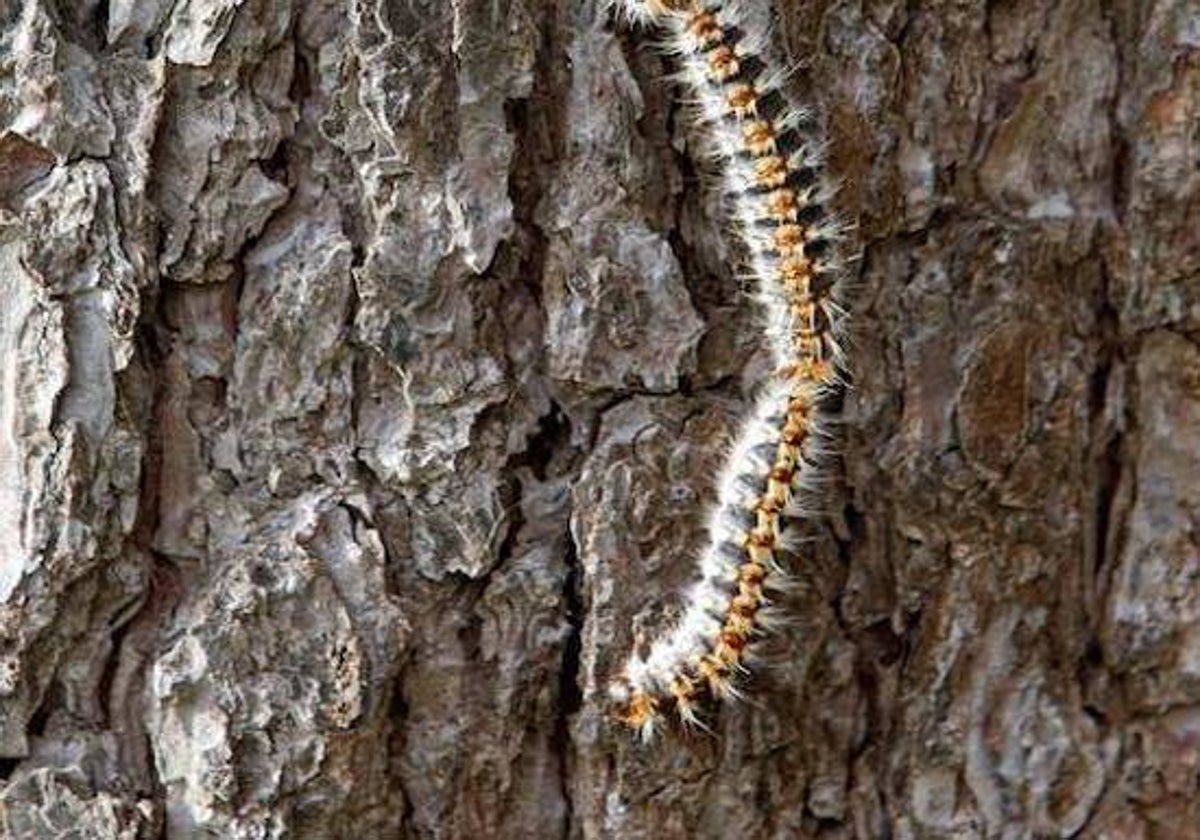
{"x": 366, "y": 364}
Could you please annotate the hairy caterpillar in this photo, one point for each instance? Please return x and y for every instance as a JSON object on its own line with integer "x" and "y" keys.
{"x": 770, "y": 154}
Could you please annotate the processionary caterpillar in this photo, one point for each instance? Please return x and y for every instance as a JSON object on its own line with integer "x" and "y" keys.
{"x": 770, "y": 153}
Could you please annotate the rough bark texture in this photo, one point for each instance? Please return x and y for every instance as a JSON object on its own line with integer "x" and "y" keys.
{"x": 365, "y": 364}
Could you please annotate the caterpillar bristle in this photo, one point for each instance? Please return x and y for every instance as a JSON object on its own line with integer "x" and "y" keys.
{"x": 772, "y": 157}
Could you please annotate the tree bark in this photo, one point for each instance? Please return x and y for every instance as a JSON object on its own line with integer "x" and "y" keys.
{"x": 365, "y": 368}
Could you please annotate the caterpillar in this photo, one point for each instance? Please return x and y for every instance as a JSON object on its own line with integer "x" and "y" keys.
{"x": 772, "y": 160}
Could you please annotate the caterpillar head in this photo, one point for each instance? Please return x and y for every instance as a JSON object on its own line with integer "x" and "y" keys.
{"x": 633, "y": 707}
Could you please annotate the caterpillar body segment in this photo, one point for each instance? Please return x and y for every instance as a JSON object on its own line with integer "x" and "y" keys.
{"x": 772, "y": 158}
{"x": 741, "y": 567}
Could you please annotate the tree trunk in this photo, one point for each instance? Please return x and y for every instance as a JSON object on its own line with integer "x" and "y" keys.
{"x": 366, "y": 363}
